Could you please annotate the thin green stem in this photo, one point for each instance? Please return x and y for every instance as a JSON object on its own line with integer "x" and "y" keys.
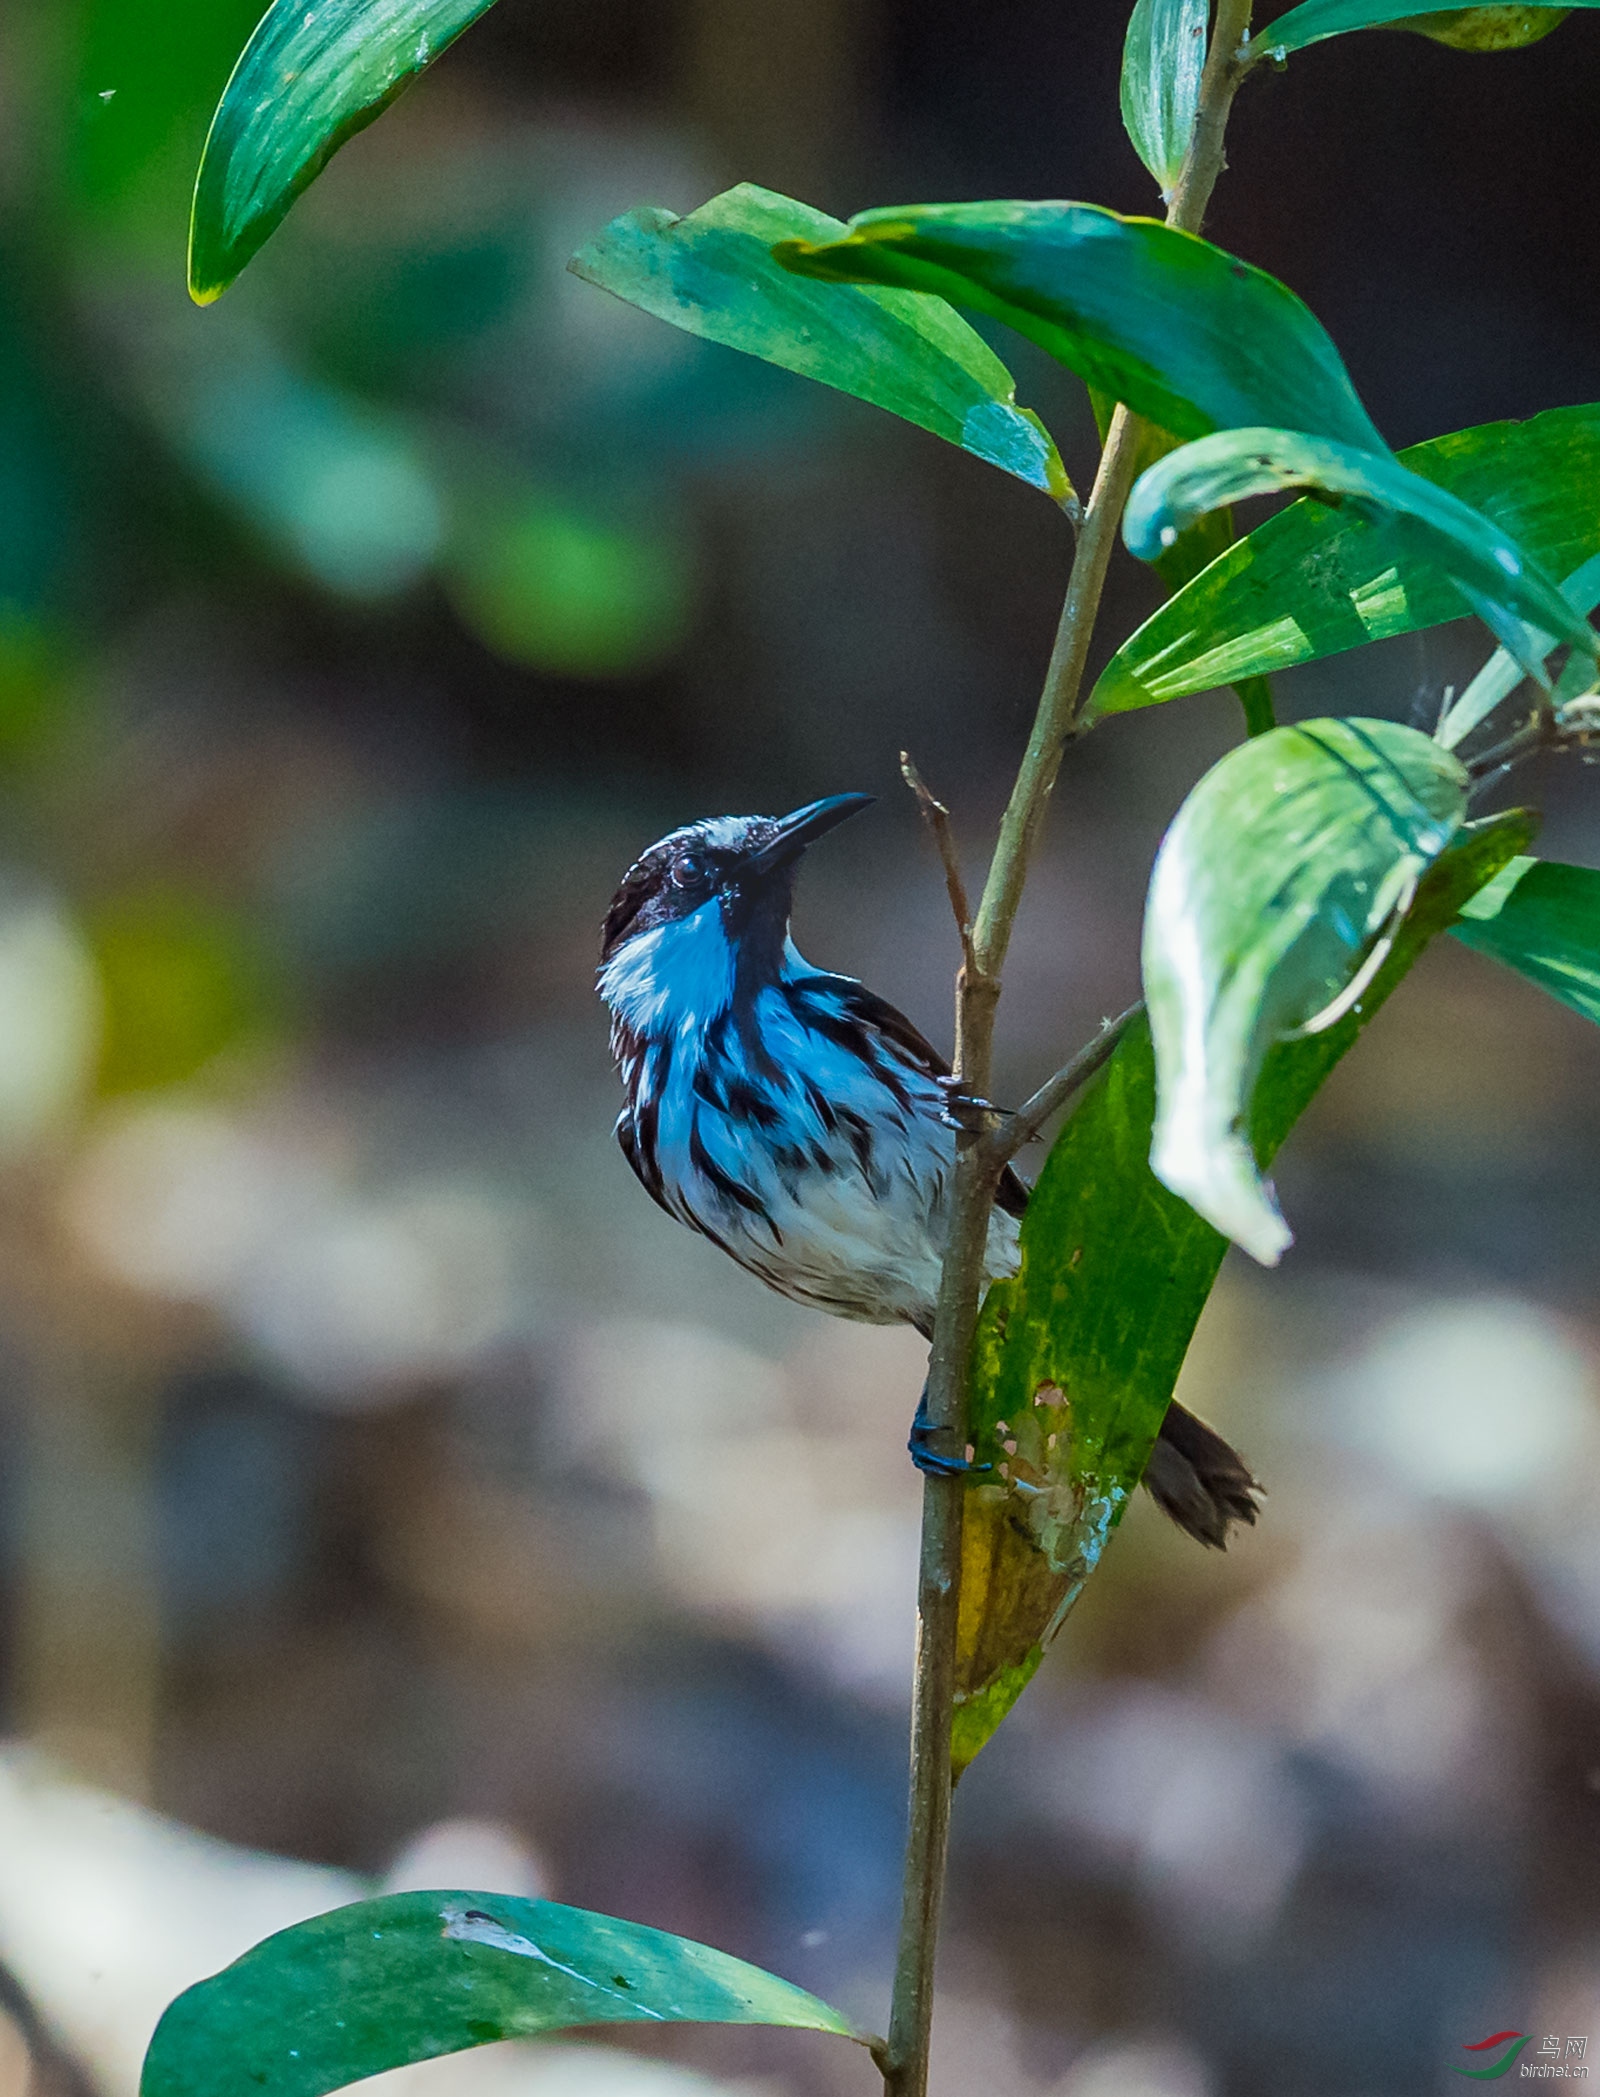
{"x": 1255, "y": 696}
{"x": 977, "y": 1169}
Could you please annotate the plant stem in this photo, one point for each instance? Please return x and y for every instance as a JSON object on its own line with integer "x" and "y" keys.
{"x": 977, "y": 1169}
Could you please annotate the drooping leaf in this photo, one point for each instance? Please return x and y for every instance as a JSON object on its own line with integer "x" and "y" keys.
{"x": 1187, "y": 334}
{"x": 414, "y": 1975}
{"x": 314, "y": 74}
{"x": 1076, "y": 1358}
{"x": 1274, "y": 896}
{"x": 1163, "y": 56}
{"x": 1542, "y": 919}
{"x": 1315, "y": 580}
{"x": 1492, "y": 28}
{"x": 1193, "y": 551}
{"x": 713, "y": 274}
{"x": 1522, "y": 606}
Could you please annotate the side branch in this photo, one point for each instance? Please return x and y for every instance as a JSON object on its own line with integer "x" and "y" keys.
{"x": 1001, "y": 1144}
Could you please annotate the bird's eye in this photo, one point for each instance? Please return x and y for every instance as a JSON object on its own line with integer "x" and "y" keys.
{"x": 688, "y": 870}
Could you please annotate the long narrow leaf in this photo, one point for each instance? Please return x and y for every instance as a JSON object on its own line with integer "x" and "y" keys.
{"x": 1273, "y": 893}
{"x": 1187, "y": 334}
{"x": 1075, "y": 1360}
{"x": 414, "y": 1975}
{"x": 713, "y": 274}
{"x": 1163, "y": 58}
{"x": 1497, "y": 578}
{"x": 1315, "y": 579}
{"x": 314, "y": 74}
{"x": 1491, "y": 28}
{"x": 1543, "y": 920}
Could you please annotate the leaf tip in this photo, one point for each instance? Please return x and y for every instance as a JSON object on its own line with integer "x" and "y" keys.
{"x": 1220, "y": 1182}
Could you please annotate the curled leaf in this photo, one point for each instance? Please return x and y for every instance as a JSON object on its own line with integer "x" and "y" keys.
{"x": 1075, "y": 1358}
{"x": 1317, "y": 579}
{"x": 1273, "y": 899}
{"x": 1521, "y": 605}
{"x": 1188, "y": 335}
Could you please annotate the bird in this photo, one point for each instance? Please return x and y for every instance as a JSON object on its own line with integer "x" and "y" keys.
{"x": 803, "y": 1124}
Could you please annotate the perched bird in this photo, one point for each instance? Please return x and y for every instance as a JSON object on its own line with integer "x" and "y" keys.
{"x": 802, "y": 1123}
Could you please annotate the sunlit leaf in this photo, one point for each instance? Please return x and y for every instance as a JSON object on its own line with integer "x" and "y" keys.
{"x": 1508, "y": 590}
{"x": 314, "y": 74}
{"x": 1187, "y": 334}
{"x": 713, "y": 273}
{"x": 1163, "y": 56}
{"x": 1315, "y": 580}
{"x": 1543, "y": 920}
{"x": 1076, "y": 1359}
{"x": 1275, "y": 893}
{"x": 1494, "y": 28}
{"x": 415, "y": 1975}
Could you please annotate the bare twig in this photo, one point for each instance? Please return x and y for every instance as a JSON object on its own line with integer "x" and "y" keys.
{"x": 974, "y": 986}
{"x": 977, "y": 1169}
{"x": 1001, "y": 1144}
{"x": 937, "y": 817}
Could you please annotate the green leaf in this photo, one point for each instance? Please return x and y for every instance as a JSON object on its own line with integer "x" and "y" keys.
{"x": 1076, "y": 1358}
{"x": 1274, "y": 899}
{"x": 314, "y": 74}
{"x": 1494, "y": 28}
{"x": 1543, "y": 920}
{"x": 415, "y": 1975}
{"x": 1502, "y": 673}
{"x": 1187, "y": 334}
{"x": 1502, "y": 584}
{"x": 1163, "y": 57}
{"x": 713, "y": 274}
{"x": 1468, "y": 28}
{"x": 1315, "y": 580}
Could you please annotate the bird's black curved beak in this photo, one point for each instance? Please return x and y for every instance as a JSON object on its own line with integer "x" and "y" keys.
{"x": 802, "y": 828}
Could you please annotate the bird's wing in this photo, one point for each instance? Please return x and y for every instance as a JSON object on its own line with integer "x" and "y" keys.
{"x": 874, "y": 1011}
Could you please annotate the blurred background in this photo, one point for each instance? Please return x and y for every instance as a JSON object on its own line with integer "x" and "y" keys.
{"x": 388, "y": 1492}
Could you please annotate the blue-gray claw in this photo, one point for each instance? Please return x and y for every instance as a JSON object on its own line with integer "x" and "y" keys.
{"x": 930, "y": 1461}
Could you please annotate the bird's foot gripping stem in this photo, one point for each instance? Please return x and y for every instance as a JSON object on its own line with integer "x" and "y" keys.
{"x": 933, "y": 1463}
{"x": 966, "y": 1110}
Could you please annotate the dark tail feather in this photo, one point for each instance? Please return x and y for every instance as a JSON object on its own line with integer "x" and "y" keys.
{"x": 1196, "y": 1478}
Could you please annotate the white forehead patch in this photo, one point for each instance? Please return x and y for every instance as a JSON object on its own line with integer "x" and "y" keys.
{"x": 719, "y": 833}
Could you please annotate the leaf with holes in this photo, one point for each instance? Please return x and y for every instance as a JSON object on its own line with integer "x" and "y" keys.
{"x": 314, "y": 74}
{"x": 1187, "y": 334}
{"x": 1274, "y": 899}
{"x": 1521, "y": 605}
{"x": 412, "y": 1976}
{"x": 713, "y": 274}
{"x": 1076, "y": 1358}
